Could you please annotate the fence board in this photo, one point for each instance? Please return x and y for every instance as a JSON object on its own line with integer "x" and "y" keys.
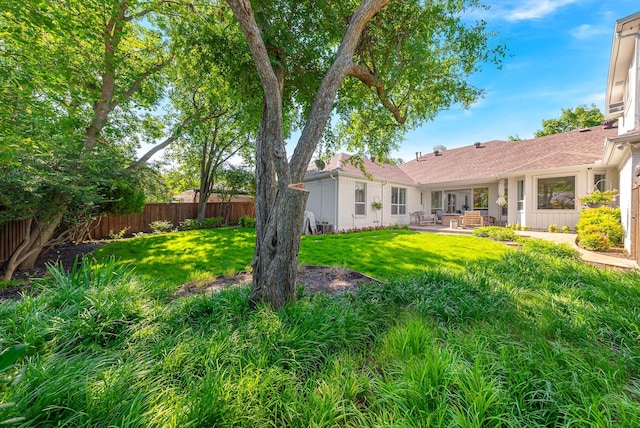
{"x": 11, "y": 235}
{"x": 175, "y": 213}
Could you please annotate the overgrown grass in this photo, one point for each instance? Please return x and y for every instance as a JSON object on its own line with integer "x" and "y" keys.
{"x": 181, "y": 257}
{"x": 530, "y": 340}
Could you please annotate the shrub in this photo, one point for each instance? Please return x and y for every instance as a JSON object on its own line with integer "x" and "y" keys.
{"x": 553, "y": 228}
{"x": 246, "y": 221}
{"x": 212, "y": 222}
{"x": 599, "y": 197}
{"x": 496, "y": 233}
{"x": 189, "y": 224}
{"x": 118, "y": 235}
{"x": 161, "y": 226}
{"x": 566, "y": 229}
{"x": 595, "y": 241}
{"x": 599, "y": 228}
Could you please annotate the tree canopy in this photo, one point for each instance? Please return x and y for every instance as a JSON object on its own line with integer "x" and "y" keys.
{"x": 577, "y": 118}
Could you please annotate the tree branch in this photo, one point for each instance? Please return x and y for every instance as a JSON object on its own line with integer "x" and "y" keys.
{"x": 174, "y": 135}
{"x": 367, "y": 77}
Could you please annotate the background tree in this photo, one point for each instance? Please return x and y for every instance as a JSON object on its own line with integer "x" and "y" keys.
{"x": 578, "y": 118}
{"x": 401, "y": 63}
{"x": 78, "y": 81}
{"x": 233, "y": 181}
{"x": 205, "y": 88}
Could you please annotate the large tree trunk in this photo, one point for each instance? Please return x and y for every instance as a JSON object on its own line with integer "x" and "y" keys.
{"x": 274, "y": 275}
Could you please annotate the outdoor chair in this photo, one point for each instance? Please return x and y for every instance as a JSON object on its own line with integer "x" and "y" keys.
{"x": 472, "y": 219}
{"x": 427, "y": 219}
{"x": 439, "y": 216}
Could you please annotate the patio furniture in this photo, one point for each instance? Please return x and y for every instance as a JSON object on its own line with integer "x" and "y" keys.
{"x": 472, "y": 219}
{"x": 427, "y": 219}
{"x": 439, "y": 216}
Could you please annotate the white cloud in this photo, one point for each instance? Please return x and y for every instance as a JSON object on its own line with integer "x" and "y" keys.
{"x": 586, "y": 31}
{"x": 536, "y": 9}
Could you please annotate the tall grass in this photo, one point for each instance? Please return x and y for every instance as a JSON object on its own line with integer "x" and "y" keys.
{"x": 531, "y": 340}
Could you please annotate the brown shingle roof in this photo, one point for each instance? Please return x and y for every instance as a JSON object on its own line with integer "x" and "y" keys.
{"x": 579, "y": 147}
{"x": 378, "y": 171}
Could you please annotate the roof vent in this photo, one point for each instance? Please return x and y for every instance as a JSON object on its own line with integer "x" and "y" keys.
{"x": 585, "y": 130}
{"x": 439, "y": 148}
{"x": 608, "y": 124}
{"x": 477, "y": 145}
{"x": 616, "y": 107}
{"x": 437, "y": 153}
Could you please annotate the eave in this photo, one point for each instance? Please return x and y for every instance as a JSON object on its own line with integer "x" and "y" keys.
{"x": 625, "y": 34}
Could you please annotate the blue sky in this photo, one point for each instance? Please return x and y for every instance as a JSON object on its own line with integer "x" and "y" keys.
{"x": 559, "y": 58}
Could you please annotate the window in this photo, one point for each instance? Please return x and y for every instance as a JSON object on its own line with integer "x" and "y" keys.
{"x": 361, "y": 198}
{"x": 504, "y": 209}
{"x": 520, "y": 195}
{"x": 436, "y": 201}
{"x": 481, "y": 198}
{"x": 558, "y": 193}
{"x": 599, "y": 182}
{"x": 398, "y": 201}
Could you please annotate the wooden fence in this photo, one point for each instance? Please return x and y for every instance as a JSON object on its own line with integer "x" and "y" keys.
{"x": 12, "y": 233}
{"x": 175, "y": 213}
{"x": 11, "y": 236}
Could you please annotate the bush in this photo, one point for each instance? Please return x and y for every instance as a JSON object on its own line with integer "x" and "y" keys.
{"x": 566, "y": 229}
{"x": 161, "y": 226}
{"x": 496, "y": 233}
{"x": 553, "y": 228}
{"x": 189, "y": 224}
{"x": 212, "y": 222}
{"x": 246, "y": 221}
{"x": 595, "y": 241}
{"x": 599, "y": 228}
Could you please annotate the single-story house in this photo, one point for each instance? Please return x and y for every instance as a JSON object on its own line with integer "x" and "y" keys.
{"x": 534, "y": 183}
{"x": 540, "y": 180}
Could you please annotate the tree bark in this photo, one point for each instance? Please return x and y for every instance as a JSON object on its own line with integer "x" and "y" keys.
{"x": 38, "y": 236}
{"x": 41, "y": 237}
{"x": 274, "y": 275}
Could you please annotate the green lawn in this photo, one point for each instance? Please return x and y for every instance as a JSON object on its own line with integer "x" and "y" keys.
{"x": 180, "y": 257}
{"x": 533, "y": 338}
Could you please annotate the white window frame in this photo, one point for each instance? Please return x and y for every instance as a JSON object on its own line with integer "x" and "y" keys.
{"x": 398, "y": 202}
{"x": 559, "y": 177}
{"x": 520, "y": 189}
{"x": 360, "y": 206}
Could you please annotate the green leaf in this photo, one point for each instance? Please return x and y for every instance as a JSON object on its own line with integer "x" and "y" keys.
{"x": 9, "y": 356}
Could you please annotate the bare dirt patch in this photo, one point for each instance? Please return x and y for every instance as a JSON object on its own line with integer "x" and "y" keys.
{"x": 315, "y": 279}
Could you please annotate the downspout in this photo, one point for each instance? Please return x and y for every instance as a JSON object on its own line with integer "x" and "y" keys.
{"x": 382, "y": 197}
{"x": 337, "y": 202}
